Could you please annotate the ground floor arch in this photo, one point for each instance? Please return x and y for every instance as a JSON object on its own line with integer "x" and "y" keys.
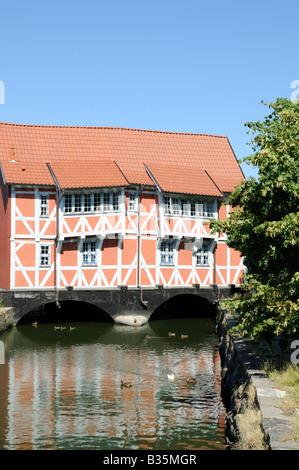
{"x": 66, "y": 311}
{"x": 184, "y": 306}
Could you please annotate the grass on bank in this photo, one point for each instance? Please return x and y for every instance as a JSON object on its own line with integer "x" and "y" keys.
{"x": 287, "y": 379}
{"x": 251, "y": 435}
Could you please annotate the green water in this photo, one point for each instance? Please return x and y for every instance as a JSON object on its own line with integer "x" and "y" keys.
{"x": 61, "y": 389}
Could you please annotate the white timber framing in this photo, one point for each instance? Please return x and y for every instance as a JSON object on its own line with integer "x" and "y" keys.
{"x": 155, "y": 226}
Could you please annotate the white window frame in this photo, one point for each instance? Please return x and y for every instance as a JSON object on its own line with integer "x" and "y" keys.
{"x": 45, "y": 255}
{"x": 96, "y": 201}
{"x": 44, "y": 205}
{"x": 92, "y": 202}
{"x": 167, "y": 255}
{"x": 106, "y": 202}
{"x": 132, "y": 201}
{"x": 89, "y": 252}
{"x": 167, "y": 206}
{"x": 175, "y": 206}
{"x": 77, "y": 203}
{"x": 209, "y": 208}
{"x": 68, "y": 203}
{"x": 87, "y": 201}
{"x": 193, "y": 208}
{"x": 114, "y": 198}
{"x": 203, "y": 255}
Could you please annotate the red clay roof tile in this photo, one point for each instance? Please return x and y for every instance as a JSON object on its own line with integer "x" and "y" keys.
{"x": 78, "y": 154}
{"x": 176, "y": 176}
{"x": 88, "y": 174}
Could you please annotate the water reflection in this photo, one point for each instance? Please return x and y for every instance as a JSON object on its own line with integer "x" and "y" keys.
{"x": 60, "y": 389}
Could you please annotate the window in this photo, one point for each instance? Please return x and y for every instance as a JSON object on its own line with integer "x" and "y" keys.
{"x": 167, "y": 252}
{"x": 97, "y": 202}
{"x": 89, "y": 253}
{"x": 209, "y": 208}
{"x": 203, "y": 254}
{"x": 44, "y": 205}
{"x": 192, "y": 208}
{"x": 167, "y": 205}
{"x": 132, "y": 207}
{"x": 91, "y": 202}
{"x": 176, "y": 208}
{"x": 200, "y": 209}
{"x": 106, "y": 202}
{"x": 68, "y": 203}
{"x": 115, "y": 202}
{"x": 185, "y": 206}
{"x": 45, "y": 256}
{"x": 87, "y": 202}
{"x": 77, "y": 203}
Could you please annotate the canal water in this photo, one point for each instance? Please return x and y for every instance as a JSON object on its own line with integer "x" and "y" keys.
{"x": 61, "y": 388}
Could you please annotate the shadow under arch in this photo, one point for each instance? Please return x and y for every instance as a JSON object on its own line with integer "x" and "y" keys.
{"x": 184, "y": 306}
{"x": 68, "y": 311}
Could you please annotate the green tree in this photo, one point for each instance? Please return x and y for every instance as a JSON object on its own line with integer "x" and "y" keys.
{"x": 263, "y": 225}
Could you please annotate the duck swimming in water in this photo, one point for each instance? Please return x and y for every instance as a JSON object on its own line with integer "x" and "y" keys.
{"x": 191, "y": 380}
{"x": 125, "y": 384}
{"x": 171, "y": 376}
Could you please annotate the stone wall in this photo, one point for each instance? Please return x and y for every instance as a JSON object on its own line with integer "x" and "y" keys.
{"x": 244, "y": 428}
{"x": 117, "y": 302}
{"x": 6, "y": 318}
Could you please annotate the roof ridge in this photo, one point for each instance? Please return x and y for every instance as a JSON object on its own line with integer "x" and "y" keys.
{"x": 50, "y": 126}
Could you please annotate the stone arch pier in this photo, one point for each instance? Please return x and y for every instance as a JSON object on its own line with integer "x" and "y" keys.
{"x": 120, "y": 305}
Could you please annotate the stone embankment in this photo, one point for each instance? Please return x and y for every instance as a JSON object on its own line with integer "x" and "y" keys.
{"x": 6, "y": 318}
{"x": 255, "y": 417}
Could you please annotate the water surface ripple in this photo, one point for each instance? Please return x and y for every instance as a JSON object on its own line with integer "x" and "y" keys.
{"x": 61, "y": 388}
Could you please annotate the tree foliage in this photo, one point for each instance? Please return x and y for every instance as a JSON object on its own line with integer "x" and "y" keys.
{"x": 263, "y": 225}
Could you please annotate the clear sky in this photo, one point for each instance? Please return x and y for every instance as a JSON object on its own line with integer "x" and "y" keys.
{"x": 184, "y": 66}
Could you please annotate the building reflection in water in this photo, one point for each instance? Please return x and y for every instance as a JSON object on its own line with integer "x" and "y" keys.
{"x": 67, "y": 395}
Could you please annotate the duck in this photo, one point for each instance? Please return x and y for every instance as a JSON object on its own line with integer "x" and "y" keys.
{"x": 191, "y": 380}
{"x": 171, "y": 376}
{"x": 184, "y": 336}
{"x": 171, "y": 334}
{"x": 125, "y": 384}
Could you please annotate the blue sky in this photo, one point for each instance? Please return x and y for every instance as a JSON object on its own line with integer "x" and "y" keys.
{"x": 186, "y": 66}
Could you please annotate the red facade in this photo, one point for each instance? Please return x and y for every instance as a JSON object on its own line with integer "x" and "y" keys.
{"x": 101, "y": 208}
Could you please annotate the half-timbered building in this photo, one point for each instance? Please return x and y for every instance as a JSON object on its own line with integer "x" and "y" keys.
{"x": 96, "y": 207}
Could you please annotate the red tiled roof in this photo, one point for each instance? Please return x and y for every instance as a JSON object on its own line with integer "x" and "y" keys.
{"x": 23, "y": 173}
{"x": 78, "y": 154}
{"x": 88, "y": 175}
{"x": 176, "y": 176}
